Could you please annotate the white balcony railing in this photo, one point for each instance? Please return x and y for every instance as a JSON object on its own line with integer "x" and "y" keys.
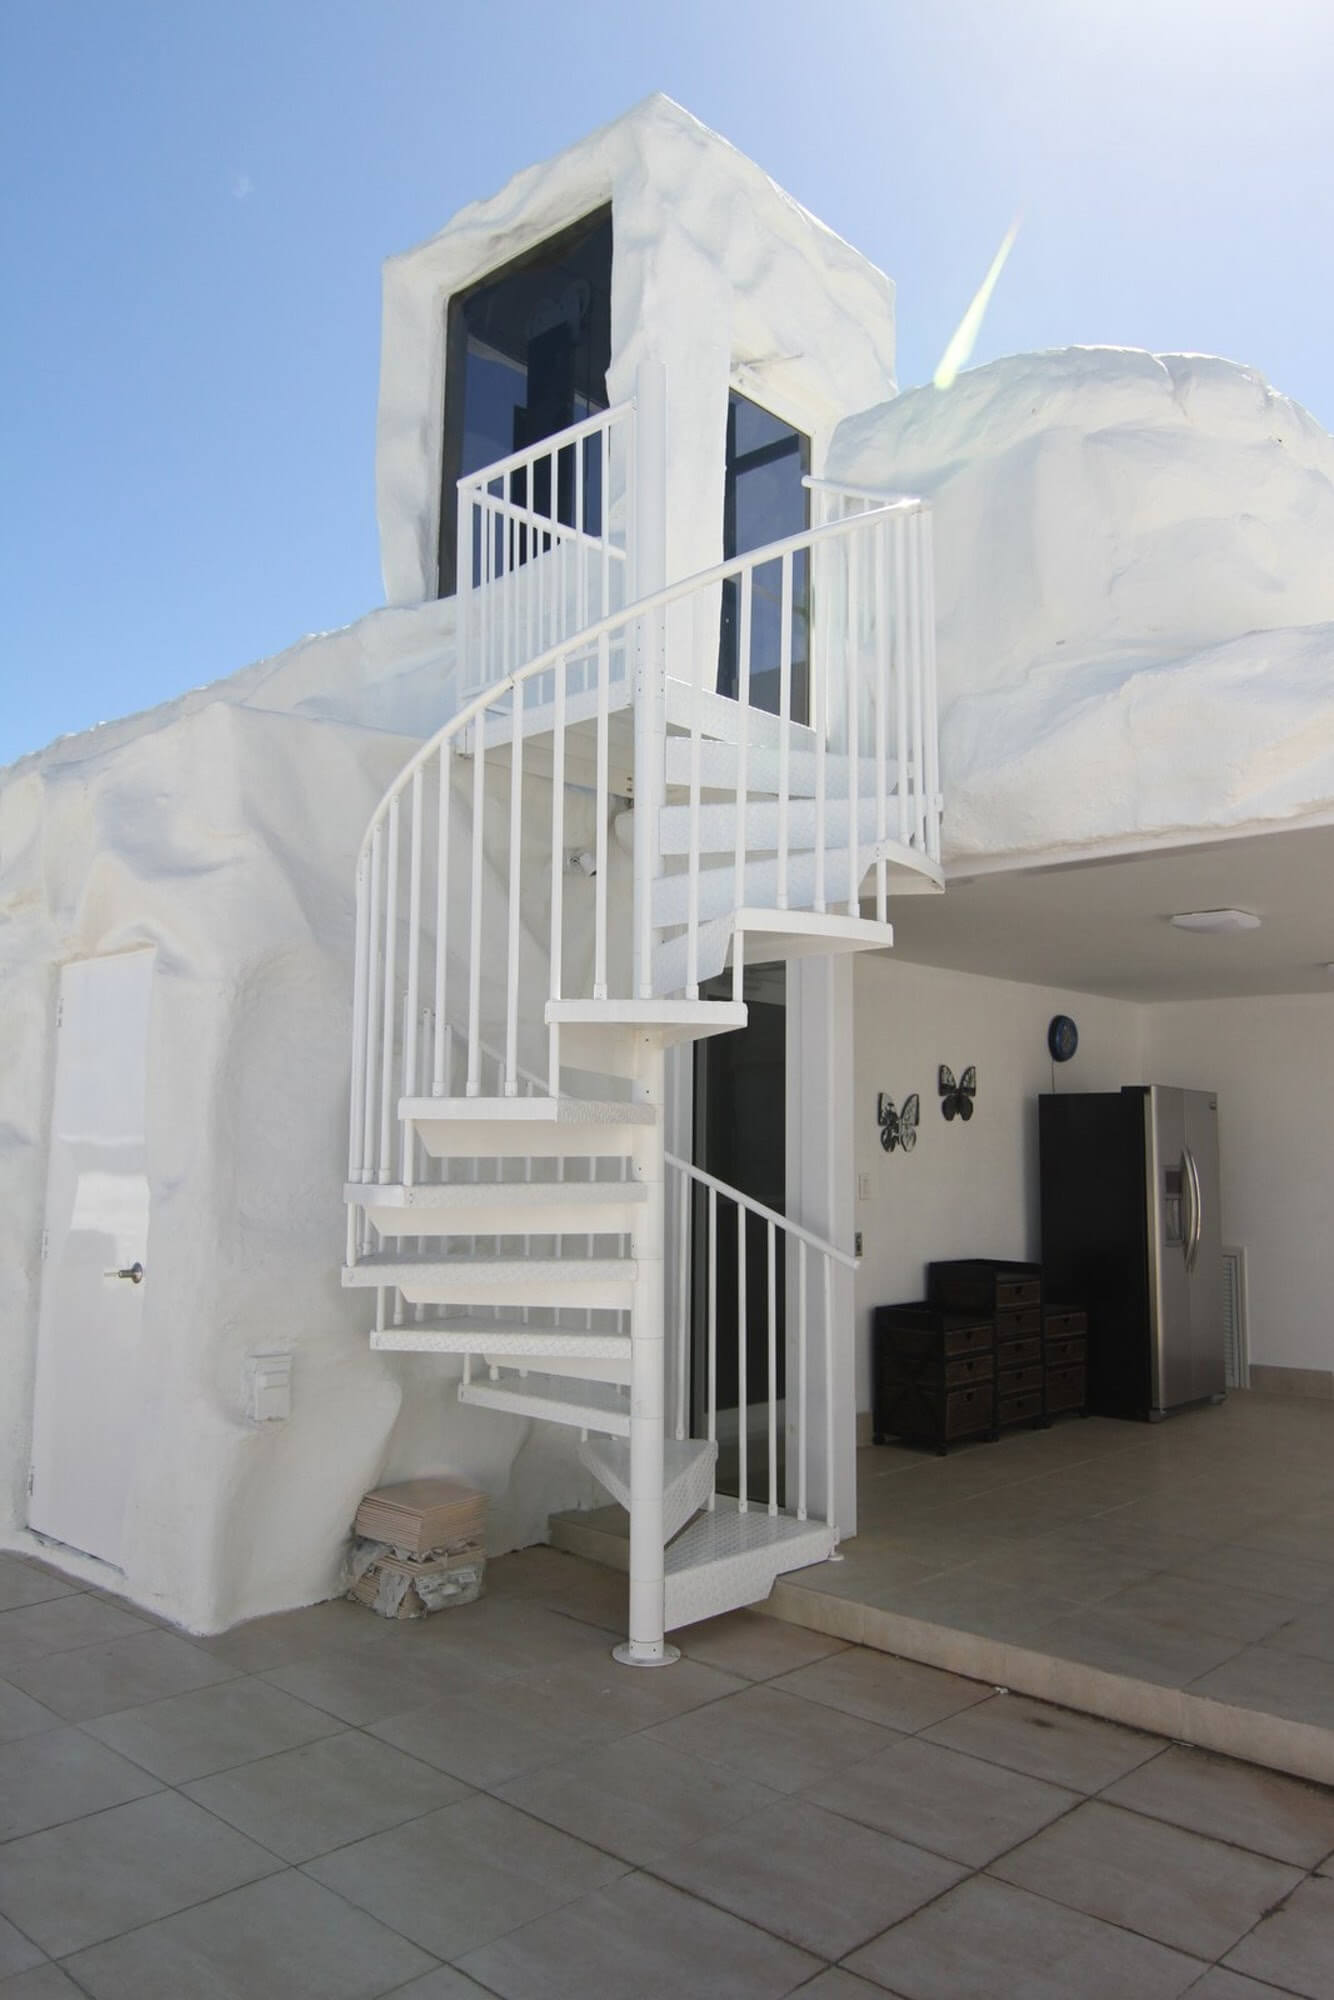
{"x": 545, "y": 542}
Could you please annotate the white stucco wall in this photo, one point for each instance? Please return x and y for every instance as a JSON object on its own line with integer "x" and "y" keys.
{"x": 223, "y": 829}
{"x": 716, "y": 273}
{"x": 1272, "y": 1063}
{"x": 1134, "y": 592}
{"x": 966, "y": 1190}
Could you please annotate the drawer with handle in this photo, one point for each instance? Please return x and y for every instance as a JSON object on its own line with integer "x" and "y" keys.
{"x": 1025, "y": 1408}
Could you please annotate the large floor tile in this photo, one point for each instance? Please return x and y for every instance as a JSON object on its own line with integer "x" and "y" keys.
{"x": 775, "y": 1739}
{"x": 1293, "y": 1948}
{"x": 753, "y": 1646}
{"x": 1122, "y": 1644}
{"x": 954, "y": 1805}
{"x": 364, "y": 1685}
{"x": 72, "y": 1619}
{"x": 44, "y": 1982}
{"x": 1280, "y": 1683}
{"x": 314, "y": 1633}
{"x": 1182, "y": 1889}
{"x": 1239, "y": 1803}
{"x": 987, "y": 1941}
{"x": 308, "y": 1801}
{"x": 487, "y": 1739}
{"x": 17, "y": 1953}
{"x": 636, "y": 1939}
{"x": 835, "y": 1984}
{"x": 284, "y": 1939}
{"x": 91, "y": 1879}
{"x": 445, "y": 1983}
{"x": 896, "y": 1693}
{"x": 117, "y": 1673}
{"x": 20, "y": 1715}
{"x": 189, "y": 1735}
{"x": 594, "y": 1693}
{"x": 1220, "y": 1984}
{"x": 1294, "y": 1577}
{"x": 21, "y": 1584}
{"x": 509, "y": 1635}
{"x": 637, "y": 1798}
{"x": 1309, "y": 1630}
{"x": 1187, "y": 1605}
{"x": 1045, "y": 1742}
{"x": 820, "y": 1881}
{"x": 63, "y": 1775}
{"x": 973, "y": 1601}
{"x": 462, "y": 1876}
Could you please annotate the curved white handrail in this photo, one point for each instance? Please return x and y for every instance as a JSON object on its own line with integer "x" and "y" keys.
{"x": 581, "y": 642}
{"x": 856, "y": 587}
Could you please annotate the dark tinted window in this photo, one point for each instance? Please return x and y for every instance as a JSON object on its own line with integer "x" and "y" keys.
{"x": 527, "y": 355}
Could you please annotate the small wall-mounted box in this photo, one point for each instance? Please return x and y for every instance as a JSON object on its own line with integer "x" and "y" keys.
{"x": 268, "y": 1388}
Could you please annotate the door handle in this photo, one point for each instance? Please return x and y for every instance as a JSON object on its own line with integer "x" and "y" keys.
{"x": 134, "y": 1272}
{"x": 1196, "y": 1211}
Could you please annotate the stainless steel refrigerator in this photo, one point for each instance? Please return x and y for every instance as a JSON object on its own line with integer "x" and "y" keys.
{"x": 1130, "y": 1229}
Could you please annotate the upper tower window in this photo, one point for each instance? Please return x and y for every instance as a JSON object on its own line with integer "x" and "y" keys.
{"x": 527, "y": 355}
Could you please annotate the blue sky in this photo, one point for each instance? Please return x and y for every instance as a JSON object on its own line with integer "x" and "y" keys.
{"x": 198, "y": 197}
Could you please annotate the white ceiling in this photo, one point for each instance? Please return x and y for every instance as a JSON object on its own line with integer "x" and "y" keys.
{"x": 1101, "y": 926}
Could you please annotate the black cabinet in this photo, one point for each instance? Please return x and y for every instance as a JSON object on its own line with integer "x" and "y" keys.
{"x": 1011, "y": 1294}
{"x": 933, "y": 1375}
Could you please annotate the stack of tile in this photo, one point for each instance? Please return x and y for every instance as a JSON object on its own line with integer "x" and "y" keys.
{"x": 418, "y": 1547}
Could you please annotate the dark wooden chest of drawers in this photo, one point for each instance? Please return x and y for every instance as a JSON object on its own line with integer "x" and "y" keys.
{"x": 1065, "y": 1359}
{"x": 1011, "y": 1294}
{"x": 932, "y": 1375}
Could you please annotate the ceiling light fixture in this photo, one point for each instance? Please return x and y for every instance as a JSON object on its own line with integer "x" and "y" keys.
{"x": 1216, "y": 921}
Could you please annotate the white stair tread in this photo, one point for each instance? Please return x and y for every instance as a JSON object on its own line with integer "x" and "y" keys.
{"x": 687, "y": 1474}
{"x": 514, "y": 1343}
{"x": 786, "y": 934}
{"x": 717, "y": 887}
{"x": 374, "y": 1271}
{"x": 429, "y": 1196}
{"x": 529, "y": 1110}
{"x": 720, "y": 769}
{"x": 593, "y": 1406}
{"x": 726, "y": 1559}
{"x": 678, "y": 1019}
{"x": 503, "y": 1208}
{"x": 718, "y": 824}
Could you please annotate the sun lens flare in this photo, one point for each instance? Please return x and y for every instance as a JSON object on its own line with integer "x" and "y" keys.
{"x": 964, "y": 338}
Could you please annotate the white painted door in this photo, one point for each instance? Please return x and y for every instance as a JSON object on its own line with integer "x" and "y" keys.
{"x": 95, "y": 1264}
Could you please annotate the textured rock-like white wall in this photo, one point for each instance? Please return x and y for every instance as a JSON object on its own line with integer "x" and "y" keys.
{"x": 223, "y": 829}
{"x": 716, "y": 273}
{"x": 1134, "y": 589}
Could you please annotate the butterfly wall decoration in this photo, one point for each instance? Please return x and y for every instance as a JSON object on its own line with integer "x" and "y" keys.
{"x": 957, "y": 1098}
{"x": 898, "y": 1127}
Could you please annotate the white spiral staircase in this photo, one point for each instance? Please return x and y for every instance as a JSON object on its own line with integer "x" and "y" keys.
{"x": 542, "y": 897}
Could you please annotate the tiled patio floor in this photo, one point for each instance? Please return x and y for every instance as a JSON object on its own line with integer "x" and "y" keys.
{"x": 1192, "y": 1560}
{"x": 323, "y": 1806}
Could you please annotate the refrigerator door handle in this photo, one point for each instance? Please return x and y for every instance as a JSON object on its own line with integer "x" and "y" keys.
{"x": 1196, "y": 1229}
